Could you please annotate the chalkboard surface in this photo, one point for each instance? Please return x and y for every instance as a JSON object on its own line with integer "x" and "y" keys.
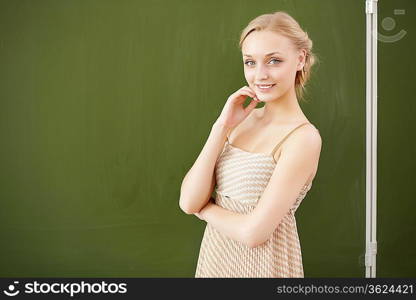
{"x": 105, "y": 105}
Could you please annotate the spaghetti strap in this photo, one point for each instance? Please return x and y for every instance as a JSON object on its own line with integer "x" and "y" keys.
{"x": 278, "y": 145}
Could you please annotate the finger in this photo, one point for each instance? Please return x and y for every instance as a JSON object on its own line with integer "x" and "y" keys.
{"x": 250, "y": 107}
{"x": 241, "y": 93}
{"x": 253, "y": 96}
{"x": 250, "y": 90}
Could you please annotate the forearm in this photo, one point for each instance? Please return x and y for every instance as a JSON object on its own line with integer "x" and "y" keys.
{"x": 197, "y": 185}
{"x": 232, "y": 224}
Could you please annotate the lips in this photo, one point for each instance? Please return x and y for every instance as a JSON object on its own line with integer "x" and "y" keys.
{"x": 264, "y": 87}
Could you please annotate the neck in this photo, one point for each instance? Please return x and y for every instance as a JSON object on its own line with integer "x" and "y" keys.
{"x": 284, "y": 109}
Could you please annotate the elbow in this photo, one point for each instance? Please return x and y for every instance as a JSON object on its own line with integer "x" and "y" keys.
{"x": 184, "y": 203}
{"x": 186, "y": 207}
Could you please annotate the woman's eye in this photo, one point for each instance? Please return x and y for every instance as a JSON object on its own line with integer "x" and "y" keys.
{"x": 250, "y": 61}
{"x": 275, "y": 60}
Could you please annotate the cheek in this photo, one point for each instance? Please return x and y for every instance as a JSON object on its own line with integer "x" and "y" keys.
{"x": 284, "y": 75}
{"x": 249, "y": 76}
{"x": 248, "y": 73}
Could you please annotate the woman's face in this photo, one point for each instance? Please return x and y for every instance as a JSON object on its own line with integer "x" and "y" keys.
{"x": 278, "y": 69}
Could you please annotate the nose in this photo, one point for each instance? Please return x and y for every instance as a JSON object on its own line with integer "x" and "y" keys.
{"x": 261, "y": 73}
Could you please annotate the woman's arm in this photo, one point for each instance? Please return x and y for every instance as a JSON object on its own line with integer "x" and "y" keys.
{"x": 198, "y": 184}
{"x": 298, "y": 160}
{"x": 232, "y": 224}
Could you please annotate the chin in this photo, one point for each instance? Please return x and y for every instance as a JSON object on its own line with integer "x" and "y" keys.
{"x": 267, "y": 97}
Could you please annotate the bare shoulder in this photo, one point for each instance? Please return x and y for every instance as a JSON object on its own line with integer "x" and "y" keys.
{"x": 304, "y": 137}
{"x": 304, "y": 144}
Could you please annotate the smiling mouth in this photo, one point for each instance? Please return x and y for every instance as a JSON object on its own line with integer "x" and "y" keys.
{"x": 265, "y": 87}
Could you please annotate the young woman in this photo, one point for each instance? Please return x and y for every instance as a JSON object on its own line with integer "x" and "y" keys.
{"x": 262, "y": 161}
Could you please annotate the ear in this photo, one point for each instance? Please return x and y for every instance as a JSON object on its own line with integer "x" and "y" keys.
{"x": 301, "y": 59}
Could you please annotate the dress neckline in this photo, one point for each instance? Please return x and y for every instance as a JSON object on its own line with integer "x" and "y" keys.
{"x": 265, "y": 155}
{"x": 254, "y": 153}
{"x": 269, "y": 155}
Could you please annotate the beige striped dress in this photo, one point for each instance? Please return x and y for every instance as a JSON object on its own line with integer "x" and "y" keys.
{"x": 241, "y": 178}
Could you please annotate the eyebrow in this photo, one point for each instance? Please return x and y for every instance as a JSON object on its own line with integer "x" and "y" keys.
{"x": 266, "y": 54}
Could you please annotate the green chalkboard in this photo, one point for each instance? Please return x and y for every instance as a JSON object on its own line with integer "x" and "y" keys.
{"x": 105, "y": 105}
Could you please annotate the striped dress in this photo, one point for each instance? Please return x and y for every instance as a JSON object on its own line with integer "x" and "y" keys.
{"x": 241, "y": 178}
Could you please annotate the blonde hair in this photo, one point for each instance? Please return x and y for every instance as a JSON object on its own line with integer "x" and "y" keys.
{"x": 282, "y": 23}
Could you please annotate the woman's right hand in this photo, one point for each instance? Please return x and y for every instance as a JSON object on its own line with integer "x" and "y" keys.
{"x": 234, "y": 112}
